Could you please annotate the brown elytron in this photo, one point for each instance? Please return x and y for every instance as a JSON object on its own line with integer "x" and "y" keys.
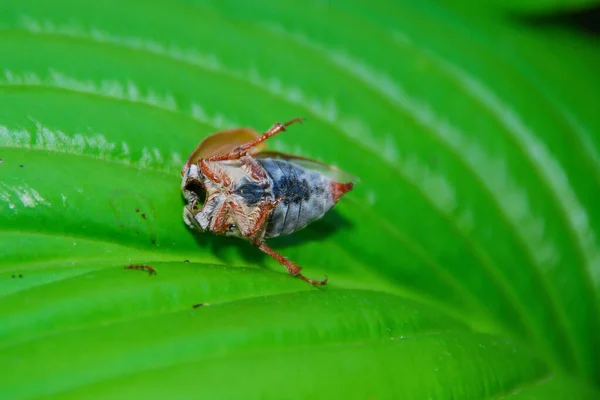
{"x": 235, "y": 188}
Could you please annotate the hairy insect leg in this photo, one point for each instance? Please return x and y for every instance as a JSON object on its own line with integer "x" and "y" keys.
{"x": 292, "y": 268}
{"x": 255, "y": 170}
{"x": 274, "y": 130}
{"x": 151, "y": 271}
{"x": 260, "y": 219}
{"x": 215, "y": 176}
{"x": 220, "y": 224}
{"x": 241, "y": 151}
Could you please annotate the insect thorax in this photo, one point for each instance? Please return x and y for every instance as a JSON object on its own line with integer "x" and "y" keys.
{"x": 236, "y": 190}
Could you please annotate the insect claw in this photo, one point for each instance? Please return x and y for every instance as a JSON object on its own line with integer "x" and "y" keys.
{"x": 290, "y": 122}
{"x": 312, "y": 281}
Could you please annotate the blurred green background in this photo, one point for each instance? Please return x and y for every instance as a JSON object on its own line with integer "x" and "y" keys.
{"x": 465, "y": 265}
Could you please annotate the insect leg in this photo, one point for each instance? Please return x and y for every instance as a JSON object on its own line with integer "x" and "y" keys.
{"x": 241, "y": 150}
{"x": 253, "y": 230}
{"x": 274, "y": 130}
{"x": 255, "y": 170}
{"x": 292, "y": 268}
{"x": 219, "y": 224}
{"x": 214, "y": 175}
{"x": 261, "y": 221}
{"x": 151, "y": 271}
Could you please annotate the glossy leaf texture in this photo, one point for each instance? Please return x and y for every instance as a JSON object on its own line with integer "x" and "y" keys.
{"x": 465, "y": 264}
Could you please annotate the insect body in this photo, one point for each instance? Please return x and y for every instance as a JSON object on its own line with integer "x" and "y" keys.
{"x": 235, "y": 188}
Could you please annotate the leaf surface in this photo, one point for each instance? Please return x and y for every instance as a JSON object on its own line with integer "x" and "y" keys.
{"x": 465, "y": 264}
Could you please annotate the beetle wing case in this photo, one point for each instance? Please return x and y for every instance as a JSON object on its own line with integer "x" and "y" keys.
{"x": 222, "y": 143}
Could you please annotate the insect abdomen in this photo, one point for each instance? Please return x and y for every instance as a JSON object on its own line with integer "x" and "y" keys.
{"x": 305, "y": 196}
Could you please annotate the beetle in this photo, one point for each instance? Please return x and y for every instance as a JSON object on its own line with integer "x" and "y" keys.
{"x": 234, "y": 187}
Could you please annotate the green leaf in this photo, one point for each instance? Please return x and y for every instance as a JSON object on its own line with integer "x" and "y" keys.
{"x": 465, "y": 264}
{"x": 538, "y": 5}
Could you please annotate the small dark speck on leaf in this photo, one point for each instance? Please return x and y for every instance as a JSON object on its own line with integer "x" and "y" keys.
{"x": 20, "y": 276}
{"x": 13, "y": 276}
{"x": 22, "y": 166}
{"x": 144, "y": 216}
{"x": 137, "y": 210}
{"x": 1, "y": 161}
{"x": 153, "y": 241}
{"x": 198, "y": 305}
{"x": 187, "y": 261}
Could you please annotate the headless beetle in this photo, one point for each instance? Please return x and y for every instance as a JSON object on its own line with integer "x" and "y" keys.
{"x": 234, "y": 187}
